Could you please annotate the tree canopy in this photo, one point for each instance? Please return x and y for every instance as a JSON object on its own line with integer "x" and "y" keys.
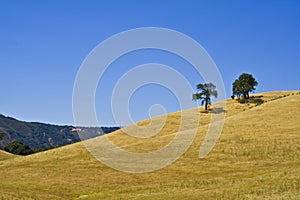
{"x": 243, "y": 85}
{"x": 18, "y": 148}
{"x": 205, "y": 92}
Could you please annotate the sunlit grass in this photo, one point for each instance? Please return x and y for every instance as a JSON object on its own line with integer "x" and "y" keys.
{"x": 256, "y": 157}
{"x": 5, "y": 155}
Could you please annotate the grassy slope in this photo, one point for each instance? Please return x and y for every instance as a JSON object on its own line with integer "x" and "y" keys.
{"x": 5, "y": 155}
{"x": 257, "y": 157}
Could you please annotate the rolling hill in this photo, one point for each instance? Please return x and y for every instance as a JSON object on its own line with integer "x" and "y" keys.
{"x": 43, "y": 136}
{"x": 5, "y": 155}
{"x": 256, "y": 157}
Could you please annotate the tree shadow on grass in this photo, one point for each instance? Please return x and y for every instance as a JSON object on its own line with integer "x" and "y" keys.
{"x": 253, "y": 99}
{"x": 218, "y": 110}
{"x": 214, "y": 110}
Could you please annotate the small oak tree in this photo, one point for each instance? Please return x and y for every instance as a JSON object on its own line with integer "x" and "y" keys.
{"x": 243, "y": 85}
{"x": 205, "y": 92}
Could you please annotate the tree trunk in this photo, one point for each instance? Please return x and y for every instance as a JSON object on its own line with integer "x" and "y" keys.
{"x": 246, "y": 95}
{"x": 206, "y": 103}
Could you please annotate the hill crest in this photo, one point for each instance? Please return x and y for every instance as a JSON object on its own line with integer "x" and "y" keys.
{"x": 256, "y": 157}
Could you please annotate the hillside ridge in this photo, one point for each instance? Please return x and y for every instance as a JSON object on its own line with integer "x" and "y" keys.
{"x": 44, "y": 136}
{"x": 256, "y": 157}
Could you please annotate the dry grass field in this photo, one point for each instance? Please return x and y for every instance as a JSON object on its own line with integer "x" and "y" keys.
{"x": 5, "y": 155}
{"x": 256, "y": 157}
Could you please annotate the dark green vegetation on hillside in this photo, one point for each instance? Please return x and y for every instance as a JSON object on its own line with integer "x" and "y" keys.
{"x": 18, "y": 148}
{"x": 40, "y": 136}
{"x": 242, "y": 86}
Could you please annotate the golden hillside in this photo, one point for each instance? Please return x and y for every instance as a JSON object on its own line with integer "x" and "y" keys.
{"x": 256, "y": 157}
{"x": 5, "y": 155}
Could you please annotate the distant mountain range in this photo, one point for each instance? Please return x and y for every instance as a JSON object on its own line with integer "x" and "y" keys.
{"x": 44, "y": 136}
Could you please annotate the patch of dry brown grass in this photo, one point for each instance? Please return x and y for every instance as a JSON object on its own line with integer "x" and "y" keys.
{"x": 256, "y": 157}
{"x": 5, "y": 155}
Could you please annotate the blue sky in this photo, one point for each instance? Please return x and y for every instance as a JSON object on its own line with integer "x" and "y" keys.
{"x": 43, "y": 44}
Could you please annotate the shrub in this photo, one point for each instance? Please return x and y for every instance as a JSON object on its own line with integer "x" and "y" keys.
{"x": 18, "y": 148}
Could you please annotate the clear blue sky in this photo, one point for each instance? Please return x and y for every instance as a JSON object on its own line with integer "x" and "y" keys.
{"x": 43, "y": 43}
